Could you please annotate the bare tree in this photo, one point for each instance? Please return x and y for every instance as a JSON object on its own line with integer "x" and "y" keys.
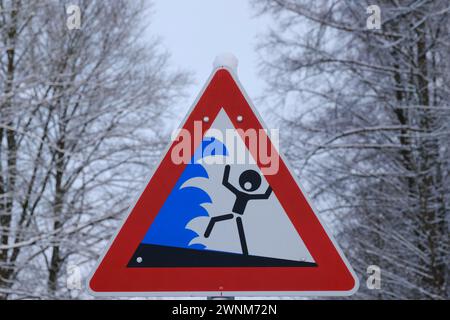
{"x": 81, "y": 116}
{"x": 369, "y": 118}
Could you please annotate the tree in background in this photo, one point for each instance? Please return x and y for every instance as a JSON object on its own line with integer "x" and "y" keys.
{"x": 81, "y": 116}
{"x": 369, "y": 118}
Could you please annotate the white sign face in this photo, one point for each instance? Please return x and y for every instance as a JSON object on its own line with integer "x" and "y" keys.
{"x": 267, "y": 229}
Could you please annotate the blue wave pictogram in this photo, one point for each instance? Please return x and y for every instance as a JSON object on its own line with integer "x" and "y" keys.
{"x": 184, "y": 203}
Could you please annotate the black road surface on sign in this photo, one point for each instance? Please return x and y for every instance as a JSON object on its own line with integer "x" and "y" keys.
{"x": 157, "y": 256}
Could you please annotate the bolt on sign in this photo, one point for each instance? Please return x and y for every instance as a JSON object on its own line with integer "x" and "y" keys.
{"x": 222, "y": 214}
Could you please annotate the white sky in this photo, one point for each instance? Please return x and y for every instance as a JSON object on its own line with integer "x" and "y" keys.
{"x": 196, "y": 31}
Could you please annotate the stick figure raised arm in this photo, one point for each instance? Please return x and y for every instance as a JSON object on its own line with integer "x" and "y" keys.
{"x": 226, "y": 183}
{"x": 264, "y": 195}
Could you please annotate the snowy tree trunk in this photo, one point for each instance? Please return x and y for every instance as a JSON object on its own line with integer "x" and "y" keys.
{"x": 8, "y": 180}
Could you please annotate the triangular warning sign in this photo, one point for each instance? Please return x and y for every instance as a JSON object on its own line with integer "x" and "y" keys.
{"x": 222, "y": 215}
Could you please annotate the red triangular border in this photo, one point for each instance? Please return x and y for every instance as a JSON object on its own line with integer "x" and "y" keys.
{"x": 333, "y": 276}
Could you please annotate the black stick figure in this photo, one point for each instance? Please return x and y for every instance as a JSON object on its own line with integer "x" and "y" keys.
{"x": 249, "y": 180}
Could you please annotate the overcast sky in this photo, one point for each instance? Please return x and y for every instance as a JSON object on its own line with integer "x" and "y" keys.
{"x": 196, "y": 31}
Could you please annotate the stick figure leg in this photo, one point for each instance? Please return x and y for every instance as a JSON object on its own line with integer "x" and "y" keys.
{"x": 213, "y": 221}
{"x": 242, "y": 235}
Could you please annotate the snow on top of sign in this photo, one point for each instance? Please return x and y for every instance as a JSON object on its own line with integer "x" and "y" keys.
{"x": 228, "y": 60}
